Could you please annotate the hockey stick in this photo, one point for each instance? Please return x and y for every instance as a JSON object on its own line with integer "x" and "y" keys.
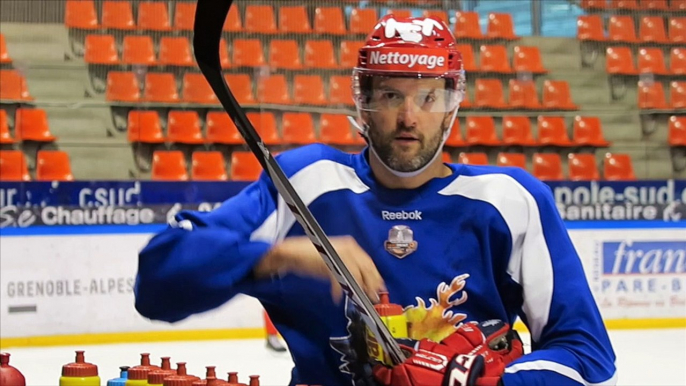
{"x": 209, "y": 21}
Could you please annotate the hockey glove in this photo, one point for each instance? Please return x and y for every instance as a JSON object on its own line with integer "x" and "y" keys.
{"x": 474, "y": 355}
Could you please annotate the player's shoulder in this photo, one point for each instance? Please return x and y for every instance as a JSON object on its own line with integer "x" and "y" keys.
{"x": 314, "y": 156}
{"x": 502, "y": 182}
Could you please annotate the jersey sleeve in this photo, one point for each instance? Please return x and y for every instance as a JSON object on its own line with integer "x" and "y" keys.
{"x": 203, "y": 259}
{"x": 570, "y": 344}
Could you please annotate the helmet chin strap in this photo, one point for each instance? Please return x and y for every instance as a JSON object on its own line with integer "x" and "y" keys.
{"x": 397, "y": 173}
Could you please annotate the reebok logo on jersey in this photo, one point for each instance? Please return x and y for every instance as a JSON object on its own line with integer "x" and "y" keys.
{"x": 402, "y": 215}
{"x": 410, "y": 60}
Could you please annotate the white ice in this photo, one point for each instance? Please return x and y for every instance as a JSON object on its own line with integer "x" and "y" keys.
{"x": 644, "y": 357}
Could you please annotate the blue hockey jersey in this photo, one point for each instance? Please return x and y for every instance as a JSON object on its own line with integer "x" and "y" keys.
{"x": 483, "y": 243}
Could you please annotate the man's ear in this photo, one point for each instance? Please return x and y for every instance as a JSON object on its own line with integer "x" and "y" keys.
{"x": 448, "y": 117}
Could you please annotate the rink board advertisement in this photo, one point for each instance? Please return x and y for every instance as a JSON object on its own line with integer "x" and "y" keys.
{"x": 83, "y": 283}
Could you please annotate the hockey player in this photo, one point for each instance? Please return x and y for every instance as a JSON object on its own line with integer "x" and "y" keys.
{"x": 465, "y": 250}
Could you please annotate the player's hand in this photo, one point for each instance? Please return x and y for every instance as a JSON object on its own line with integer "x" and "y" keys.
{"x": 299, "y": 256}
{"x": 474, "y": 355}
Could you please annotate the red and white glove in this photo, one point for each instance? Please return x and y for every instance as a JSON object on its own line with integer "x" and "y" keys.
{"x": 474, "y": 355}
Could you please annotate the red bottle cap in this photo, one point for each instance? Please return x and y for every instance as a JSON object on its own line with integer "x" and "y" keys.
{"x": 199, "y": 382}
{"x": 254, "y": 380}
{"x": 145, "y": 364}
{"x": 166, "y": 364}
{"x": 233, "y": 377}
{"x": 80, "y": 368}
{"x": 10, "y": 376}
{"x": 210, "y": 372}
{"x": 138, "y": 373}
{"x": 157, "y": 377}
{"x": 174, "y": 380}
{"x": 386, "y": 308}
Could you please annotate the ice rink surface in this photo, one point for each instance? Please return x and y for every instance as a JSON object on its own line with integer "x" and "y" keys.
{"x": 644, "y": 357}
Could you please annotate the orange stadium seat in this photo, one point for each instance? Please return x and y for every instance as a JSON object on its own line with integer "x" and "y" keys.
{"x": 53, "y": 165}
{"x": 677, "y": 5}
{"x": 651, "y": 95}
{"x": 677, "y": 61}
{"x": 626, "y": 5}
{"x": 13, "y": 166}
{"x": 233, "y": 21}
{"x": 590, "y": 28}
{"x": 81, "y": 14}
{"x": 31, "y": 124}
{"x": 467, "y": 26}
{"x": 265, "y": 124}
{"x": 588, "y": 131}
{"x": 153, "y": 16}
{"x": 481, "y": 131}
{"x": 320, "y": 54}
{"x": 13, "y": 86}
{"x": 552, "y": 131}
{"x": 260, "y": 19}
{"x": 297, "y": 129}
{"x": 651, "y": 60}
{"x": 494, "y": 59}
{"x": 284, "y": 54}
{"x": 176, "y": 51}
{"x": 335, "y": 130}
{"x": 329, "y": 20}
{"x": 500, "y": 26}
{"x": 144, "y": 127}
{"x": 489, "y": 94}
{"x": 241, "y": 87}
{"x": 677, "y": 94}
{"x": 446, "y": 157}
{"x": 294, "y": 19}
{"x": 621, "y": 29}
{"x": 244, "y": 166}
{"x": 122, "y": 86}
{"x": 618, "y": 167}
{"x": 160, "y": 87}
{"x": 4, "y": 55}
{"x": 340, "y": 90}
{"x": 169, "y": 165}
{"x": 197, "y": 90}
{"x": 528, "y": 59}
{"x": 309, "y": 90}
{"x": 117, "y": 15}
{"x": 248, "y": 53}
{"x": 468, "y": 59}
{"x": 594, "y": 4}
{"x": 455, "y": 138}
{"x": 619, "y": 60}
{"x": 653, "y": 5}
{"x": 184, "y": 127}
{"x": 556, "y": 96}
{"x": 523, "y": 95}
{"x": 511, "y": 159}
{"x": 273, "y": 89}
{"x": 362, "y": 20}
{"x": 582, "y": 167}
{"x": 138, "y": 50}
{"x": 677, "y": 30}
{"x": 349, "y": 51}
{"x": 208, "y": 166}
{"x": 184, "y": 16}
{"x": 517, "y": 131}
{"x": 100, "y": 49}
{"x": 5, "y": 135}
{"x": 224, "y": 55}
{"x": 221, "y": 129}
{"x": 547, "y": 166}
{"x": 437, "y": 14}
{"x": 677, "y": 130}
{"x": 652, "y": 30}
{"x": 473, "y": 158}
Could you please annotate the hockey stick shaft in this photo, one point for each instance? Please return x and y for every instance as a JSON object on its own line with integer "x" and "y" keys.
{"x": 209, "y": 21}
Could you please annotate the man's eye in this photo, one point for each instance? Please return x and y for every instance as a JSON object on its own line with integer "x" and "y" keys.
{"x": 430, "y": 98}
{"x": 390, "y": 96}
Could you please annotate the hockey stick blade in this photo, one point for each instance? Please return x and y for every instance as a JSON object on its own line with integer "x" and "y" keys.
{"x": 209, "y": 21}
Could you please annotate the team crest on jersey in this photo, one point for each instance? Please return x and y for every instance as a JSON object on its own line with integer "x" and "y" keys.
{"x": 400, "y": 241}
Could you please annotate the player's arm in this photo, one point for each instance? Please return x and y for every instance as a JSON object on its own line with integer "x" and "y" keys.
{"x": 203, "y": 259}
{"x": 570, "y": 345}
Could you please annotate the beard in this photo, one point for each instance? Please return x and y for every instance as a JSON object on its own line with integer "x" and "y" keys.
{"x": 405, "y": 160}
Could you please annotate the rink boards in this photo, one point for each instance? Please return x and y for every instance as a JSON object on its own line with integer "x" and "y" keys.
{"x": 71, "y": 284}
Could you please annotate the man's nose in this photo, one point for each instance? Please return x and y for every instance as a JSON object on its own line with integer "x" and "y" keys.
{"x": 408, "y": 112}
